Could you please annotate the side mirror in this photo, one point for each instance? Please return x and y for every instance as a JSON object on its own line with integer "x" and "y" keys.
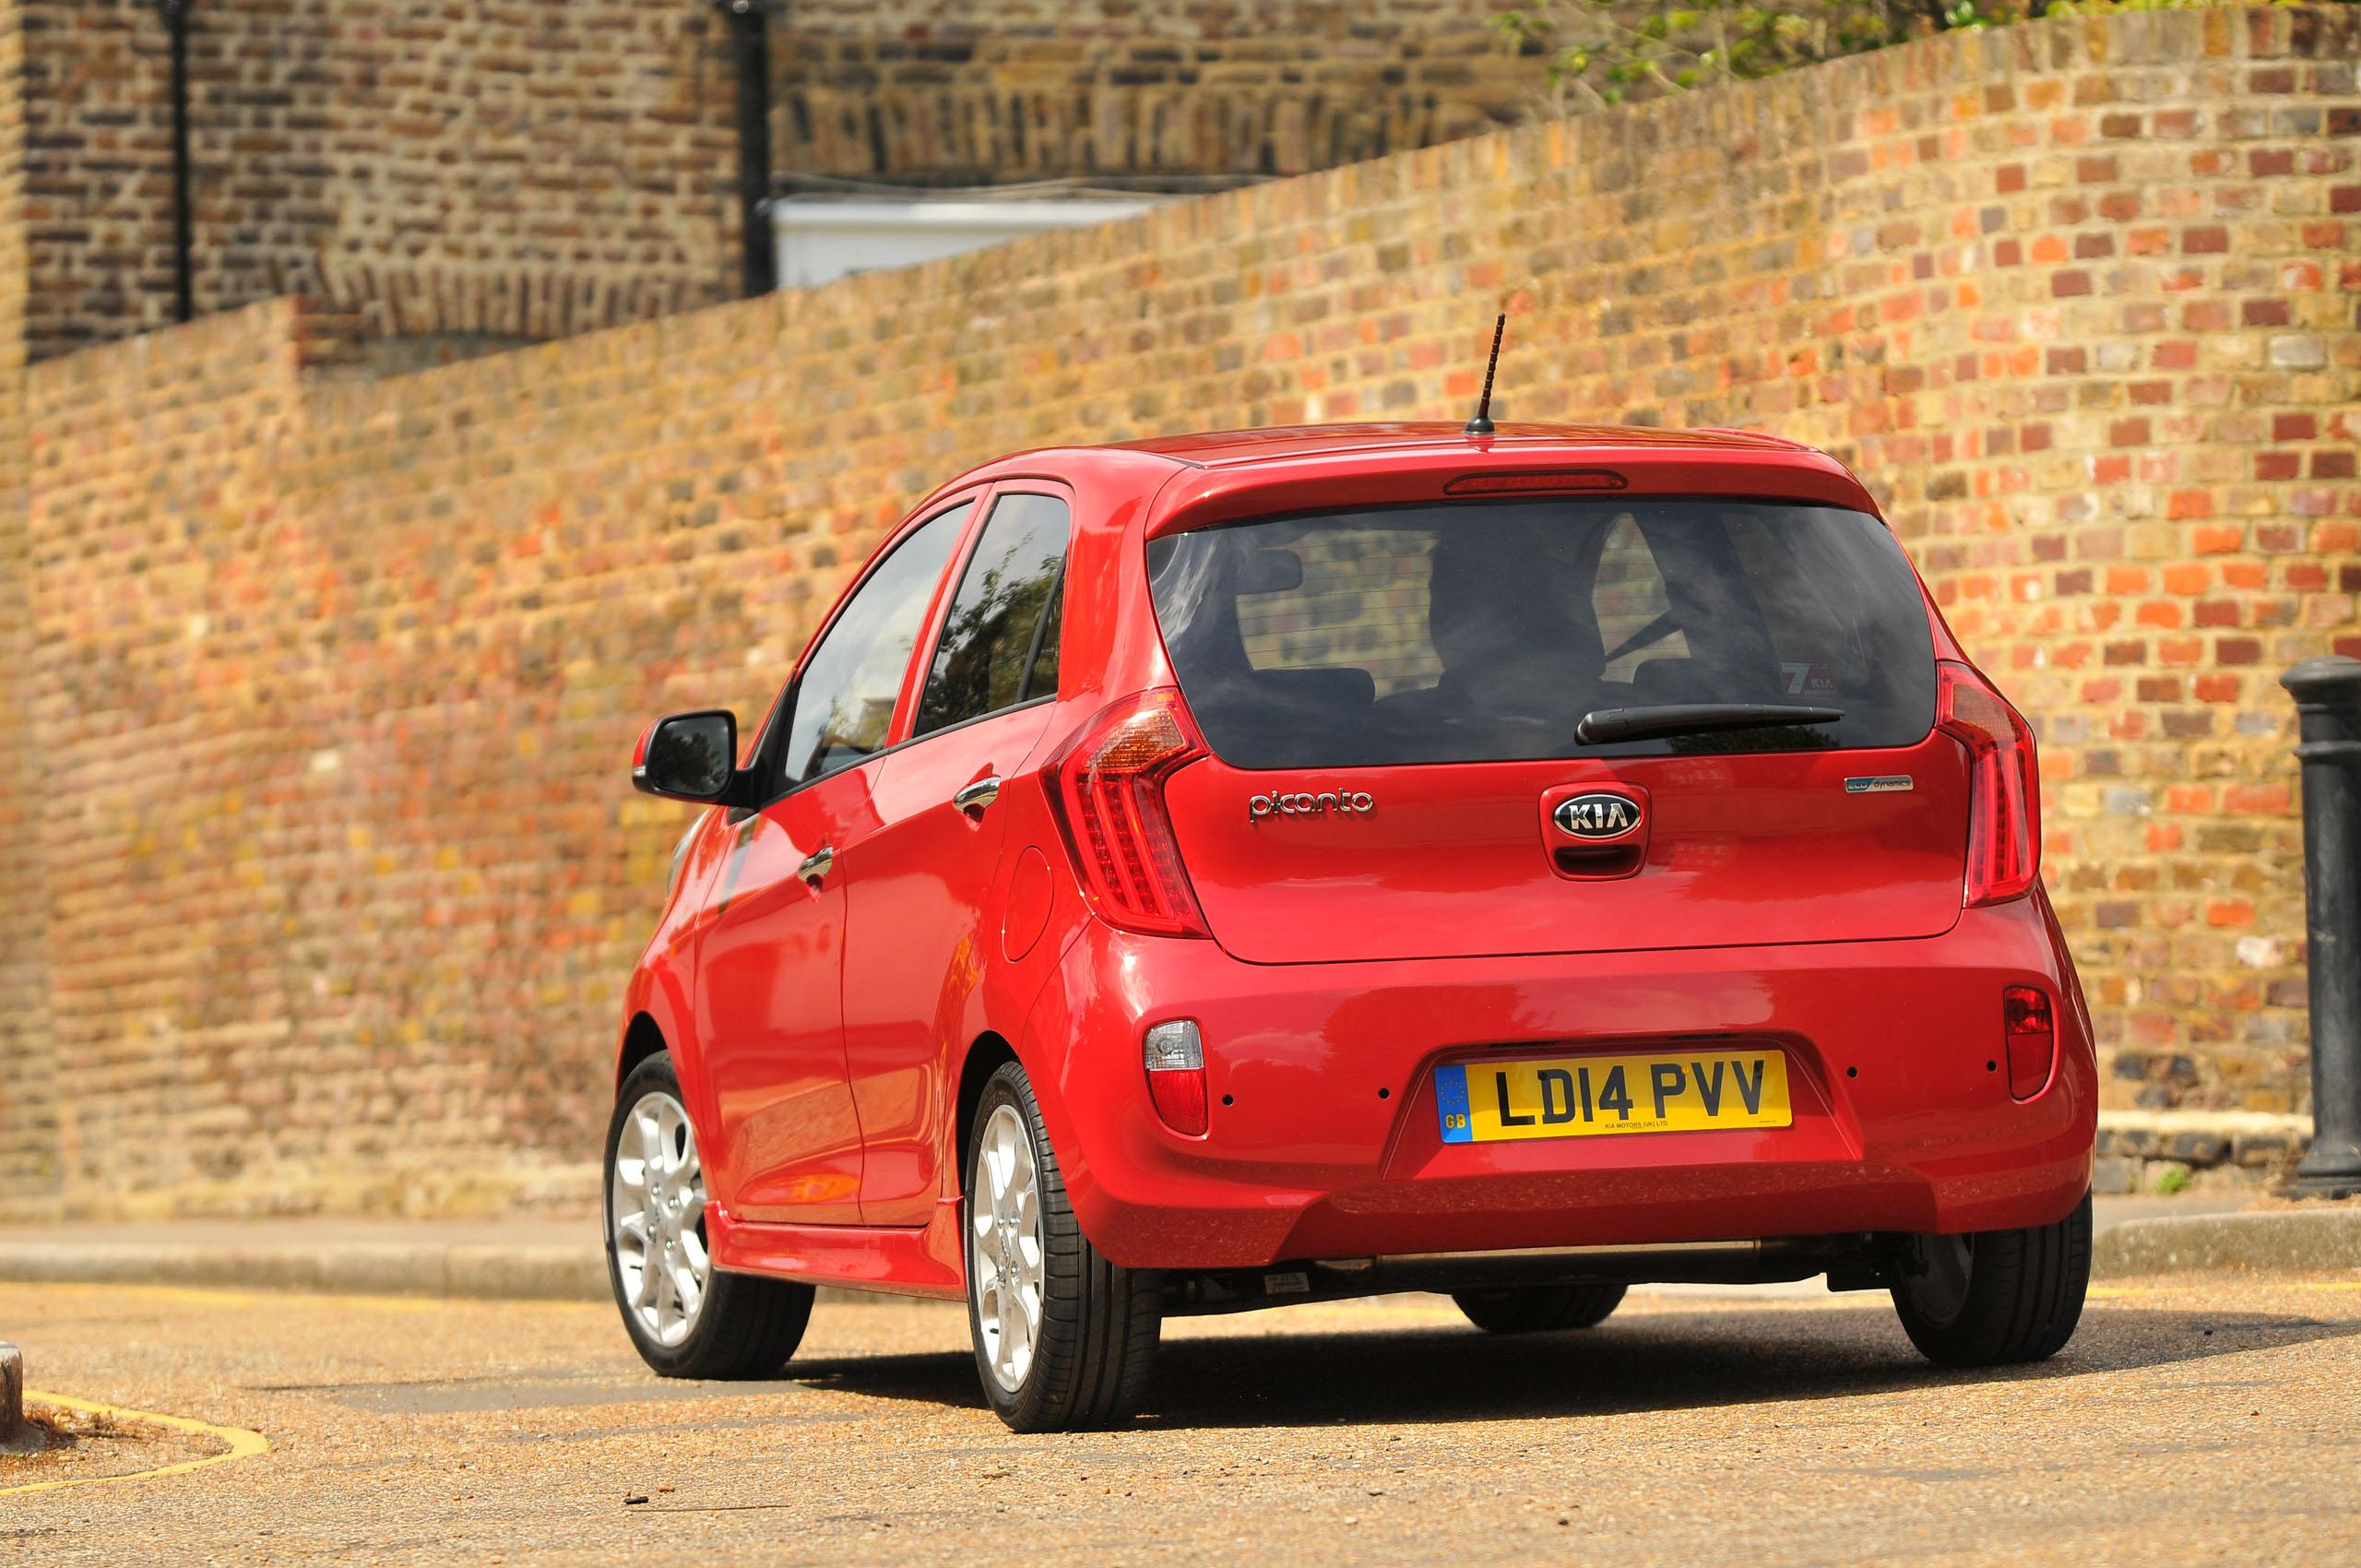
{"x": 689, "y": 756}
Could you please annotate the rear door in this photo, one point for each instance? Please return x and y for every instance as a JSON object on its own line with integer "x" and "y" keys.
{"x": 1392, "y": 697}
{"x": 923, "y": 919}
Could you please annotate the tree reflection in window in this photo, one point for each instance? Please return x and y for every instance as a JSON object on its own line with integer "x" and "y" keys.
{"x": 1000, "y": 643}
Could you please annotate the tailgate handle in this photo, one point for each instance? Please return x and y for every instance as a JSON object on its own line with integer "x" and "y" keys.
{"x": 815, "y": 867}
{"x": 1603, "y": 863}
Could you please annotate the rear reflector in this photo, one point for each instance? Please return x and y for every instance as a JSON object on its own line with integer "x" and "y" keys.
{"x": 2031, "y": 1030}
{"x": 2004, "y": 786}
{"x": 1174, "y": 1054}
{"x": 1107, "y": 790}
{"x": 1528, "y": 482}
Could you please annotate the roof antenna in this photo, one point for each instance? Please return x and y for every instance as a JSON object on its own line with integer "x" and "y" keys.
{"x": 1482, "y": 423}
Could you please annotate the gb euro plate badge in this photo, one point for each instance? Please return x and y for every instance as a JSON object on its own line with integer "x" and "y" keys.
{"x": 1577, "y": 1096}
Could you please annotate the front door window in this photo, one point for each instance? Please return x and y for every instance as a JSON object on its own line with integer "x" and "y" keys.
{"x": 844, "y": 700}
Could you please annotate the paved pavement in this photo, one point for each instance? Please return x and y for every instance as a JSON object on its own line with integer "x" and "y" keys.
{"x": 2198, "y": 1419}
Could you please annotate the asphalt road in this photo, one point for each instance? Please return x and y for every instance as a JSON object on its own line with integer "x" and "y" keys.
{"x": 2197, "y": 1420}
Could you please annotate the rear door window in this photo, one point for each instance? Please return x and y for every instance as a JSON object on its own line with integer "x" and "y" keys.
{"x": 1486, "y": 632}
{"x": 999, "y": 645}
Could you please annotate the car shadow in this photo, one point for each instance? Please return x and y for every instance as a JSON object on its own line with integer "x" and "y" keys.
{"x": 1666, "y": 1360}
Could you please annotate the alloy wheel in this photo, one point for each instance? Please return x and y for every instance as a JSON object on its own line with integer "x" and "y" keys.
{"x": 656, "y": 1206}
{"x": 1005, "y": 1255}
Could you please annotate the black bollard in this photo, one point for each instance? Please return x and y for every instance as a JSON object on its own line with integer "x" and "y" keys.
{"x": 2328, "y": 702}
{"x": 14, "y": 1437}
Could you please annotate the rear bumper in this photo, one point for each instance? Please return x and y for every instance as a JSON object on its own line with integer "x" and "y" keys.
{"x": 1325, "y": 1139}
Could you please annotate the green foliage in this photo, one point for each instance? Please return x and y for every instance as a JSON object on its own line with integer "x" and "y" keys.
{"x": 1602, "y": 52}
{"x": 2108, "y": 7}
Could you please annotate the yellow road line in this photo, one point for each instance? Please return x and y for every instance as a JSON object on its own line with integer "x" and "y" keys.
{"x": 244, "y": 1444}
{"x": 237, "y": 1296}
{"x": 233, "y": 1296}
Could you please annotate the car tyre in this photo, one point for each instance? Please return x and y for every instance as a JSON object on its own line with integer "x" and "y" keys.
{"x": 1995, "y": 1297}
{"x": 1063, "y": 1338}
{"x": 1538, "y": 1309}
{"x": 686, "y": 1318}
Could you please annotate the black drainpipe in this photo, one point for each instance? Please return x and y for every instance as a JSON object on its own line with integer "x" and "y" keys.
{"x": 749, "y": 24}
{"x": 175, "y": 14}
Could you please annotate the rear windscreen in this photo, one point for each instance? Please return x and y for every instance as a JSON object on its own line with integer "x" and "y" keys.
{"x": 1485, "y": 632}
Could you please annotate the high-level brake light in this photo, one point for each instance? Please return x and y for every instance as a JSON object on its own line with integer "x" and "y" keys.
{"x": 1107, "y": 789}
{"x": 2004, "y": 786}
{"x": 1522, "y": 481}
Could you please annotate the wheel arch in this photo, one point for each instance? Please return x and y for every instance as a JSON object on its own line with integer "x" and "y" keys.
{"x": 986, "y": 1055}
{"x": 642, "y": 1038}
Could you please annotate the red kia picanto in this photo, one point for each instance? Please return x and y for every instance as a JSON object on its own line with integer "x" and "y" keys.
{"x": 1235, "y": 870}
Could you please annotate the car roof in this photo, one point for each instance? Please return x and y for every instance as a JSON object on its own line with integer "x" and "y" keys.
{"x": 1228, "y": 448}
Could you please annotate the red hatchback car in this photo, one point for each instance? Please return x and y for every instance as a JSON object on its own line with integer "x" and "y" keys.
{"x": 1228, "y": 871}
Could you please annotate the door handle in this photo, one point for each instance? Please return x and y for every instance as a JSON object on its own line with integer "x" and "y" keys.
{"x": 973, "y": 798}
{"x": 815, "y": 867}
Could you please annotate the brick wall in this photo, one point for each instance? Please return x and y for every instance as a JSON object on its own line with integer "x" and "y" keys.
{"x": 489, "y": 166}
{"x": 28, "y": 1130}
{"x": 333, "y": 679}
{"x": 515, "y": 169}
{"x": 1187, "y": 20}
{"x": 955, "y": 92}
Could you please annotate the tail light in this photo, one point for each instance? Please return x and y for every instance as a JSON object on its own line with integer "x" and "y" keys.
{"x": 2032, "y": 1031}
{"x": 1107, "y": 789}
{"x": 1175, "y": 1056}
{"x": 2004, "y": 786}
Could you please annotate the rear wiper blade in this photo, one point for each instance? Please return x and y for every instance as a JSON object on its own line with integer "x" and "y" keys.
{"x": 1602, "y": 724}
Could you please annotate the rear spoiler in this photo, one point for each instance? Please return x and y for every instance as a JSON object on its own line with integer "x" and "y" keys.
{"x": 1329, "y": 482}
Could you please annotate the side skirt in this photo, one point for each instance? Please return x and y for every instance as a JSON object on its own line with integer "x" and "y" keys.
{"x": 894, "y": 1260}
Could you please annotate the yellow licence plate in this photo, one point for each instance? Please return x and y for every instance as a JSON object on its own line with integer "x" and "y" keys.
{"x": 1582, "y": 1095}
